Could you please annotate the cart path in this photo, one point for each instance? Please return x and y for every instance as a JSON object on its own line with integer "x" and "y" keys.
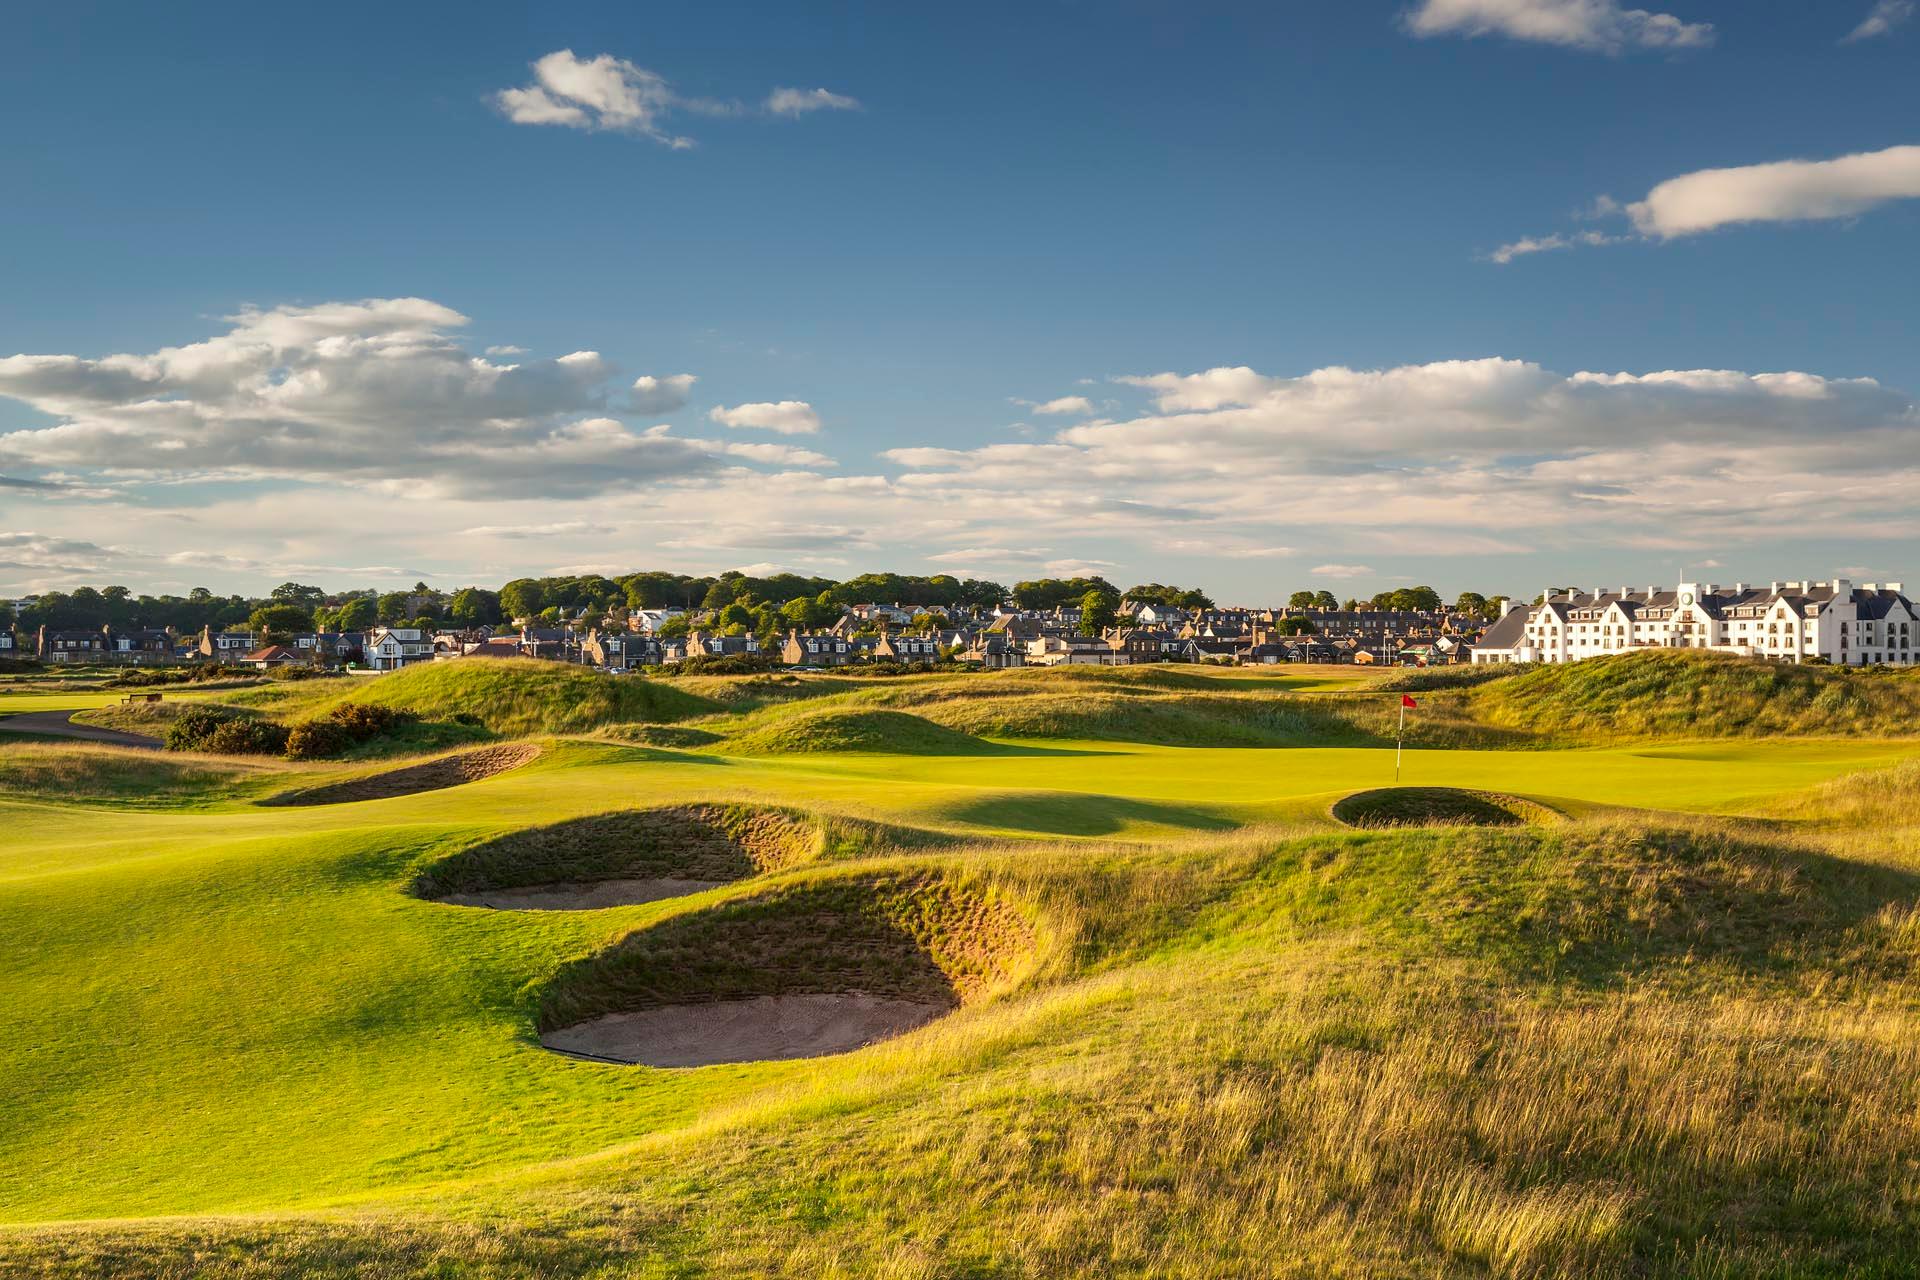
{"x": 59, "y": 724}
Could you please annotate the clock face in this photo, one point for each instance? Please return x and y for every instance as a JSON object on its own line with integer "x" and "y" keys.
{"x": 1686, "y": 597}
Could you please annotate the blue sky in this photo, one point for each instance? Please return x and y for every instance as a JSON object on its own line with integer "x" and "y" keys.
{"x": 992, "y": 208}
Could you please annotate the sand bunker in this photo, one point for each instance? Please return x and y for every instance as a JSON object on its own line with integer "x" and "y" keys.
{"x": 434, "y": 775}
{"x": 797, "y": 970}
{"x": 762, "y": 1029}
{"x": 581, "y": 897}
{"x": 1439, "y": 806}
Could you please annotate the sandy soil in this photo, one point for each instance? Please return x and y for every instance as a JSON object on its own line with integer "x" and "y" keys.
{"x": 468, "y": 766}
{"x": 581, "y": 897}
{"x": 767, "y": 1027}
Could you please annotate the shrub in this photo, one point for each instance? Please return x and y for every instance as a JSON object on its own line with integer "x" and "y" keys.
{"x": 225, "y": 732}
{"x": 248, "y": 737}
{"x": 346, "y": 726}
{"x": 193, "y": 727}
{"x": 732, "y": 664}
{"x": 315, "y": 739}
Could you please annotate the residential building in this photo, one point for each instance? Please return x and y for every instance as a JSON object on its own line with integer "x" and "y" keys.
{"x": 1074, "y": 650}
{"x": 1835, "y": 621}
{"x": 224, "y": 646}
{"x": 391, "y": 648}
{"x": 816, "y": 649}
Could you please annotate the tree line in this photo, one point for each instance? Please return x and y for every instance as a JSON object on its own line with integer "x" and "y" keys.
{"x": 733, "y": 601}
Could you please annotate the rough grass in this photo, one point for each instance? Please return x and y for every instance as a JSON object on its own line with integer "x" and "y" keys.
{"x": 1157, "y": 705}
{"x": 1438, "y": 806}
{"x": 512, "y": 697}
{"x": 688, "y": 842}
{"x": 842, "y": 729}
{"x": 150, "y": 718}
{"x": 910, "y": 935}
{"x": 1651, "y": 695}
{"x": 125, "y": 778}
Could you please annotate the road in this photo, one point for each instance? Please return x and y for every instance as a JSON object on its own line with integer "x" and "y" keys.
{"x": 59, "y": 724}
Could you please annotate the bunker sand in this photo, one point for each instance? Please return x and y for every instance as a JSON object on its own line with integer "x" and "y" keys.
{"x": 761, "y": 1029}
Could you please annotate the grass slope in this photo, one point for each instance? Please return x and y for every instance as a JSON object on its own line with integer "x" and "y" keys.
{"x": 1651, "y": 695}
{"x": 512, "y": 697}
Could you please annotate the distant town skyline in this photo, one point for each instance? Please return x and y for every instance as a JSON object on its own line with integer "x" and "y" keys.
{"x": 1479, "y": 294}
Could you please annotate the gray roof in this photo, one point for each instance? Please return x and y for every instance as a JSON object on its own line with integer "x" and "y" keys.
{"x": 1507, "y": 633}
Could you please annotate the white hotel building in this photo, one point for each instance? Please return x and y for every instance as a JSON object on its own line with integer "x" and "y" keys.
{"x": 1845, "y": 624}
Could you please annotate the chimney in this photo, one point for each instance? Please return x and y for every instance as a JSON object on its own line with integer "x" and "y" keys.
{"x": 1774, "y": 587}
{"x": 1739, "y": 588}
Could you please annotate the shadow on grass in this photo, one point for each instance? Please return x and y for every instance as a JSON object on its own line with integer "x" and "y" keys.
{"x": 1077, "y": 814}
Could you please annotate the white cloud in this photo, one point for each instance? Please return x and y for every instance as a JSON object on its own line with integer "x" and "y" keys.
{"x": 553, "y": 529}
{"x": 1342, "y": 571}
{"x": 1710, "y": 199}
{"x": 1548, "y": 244}
{"x": 1601, "y": 26}
{"x": 788, "y": 417}
{"x": 988, "y": 555}
{"x": 1489, "y": 453}
{"x": 1784, "y": 191}
{"x": 1209, "y": 390}
{"x": 612, "y": 95}
{"x": 604, "y": 93}
{"x": 1065, "y": 405}
{"x": 652, "y": 396}
{"x": 1881, "y": 20}
{"x": 506, "y": 350}
{"x": 374, "y": 393}
{"x": 794, "y": 103}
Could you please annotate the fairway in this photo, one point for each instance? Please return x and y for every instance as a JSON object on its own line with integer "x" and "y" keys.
{"x": 218, "y": 1006}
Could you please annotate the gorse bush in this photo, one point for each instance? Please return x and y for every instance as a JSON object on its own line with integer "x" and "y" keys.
{"x": 343, "y": 728}
{"x": 226, "y": 731}
{"x": 222, "y": 731}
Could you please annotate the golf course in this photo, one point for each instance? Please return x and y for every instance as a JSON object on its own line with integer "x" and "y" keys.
{"x": 1141, "y": 971}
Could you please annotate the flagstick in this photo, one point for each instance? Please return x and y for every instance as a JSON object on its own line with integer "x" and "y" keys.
{"x": 1399, "y": 736}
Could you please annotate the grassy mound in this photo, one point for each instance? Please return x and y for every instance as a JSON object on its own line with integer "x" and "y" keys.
{"x": 829, "y": 729}
{"x": 1644, "y": 695}
{"x": 688, "y": 842}
{"x": 1438, "y": 807}
{"x": 150, "y": 718}
{"x": 1698, "y": 905}
{"x": 674, "y": 737}
{"x": 513, "y": 697}
{"x": 913, "y": 936}
{"x": 130, "y": 779}
{"x": 432, "y": 775}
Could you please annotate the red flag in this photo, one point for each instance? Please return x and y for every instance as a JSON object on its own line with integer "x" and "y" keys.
{"x": 1407, "y": 702}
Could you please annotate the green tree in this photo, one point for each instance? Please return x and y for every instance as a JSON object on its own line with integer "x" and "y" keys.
{"x": 355, "y": 614}
{"x": 1325, "y": 600}
{"x": 393, "y": 606}
{"x": 522, "y": 598}
{"x": 279, "y": 623}
{"x": 1302, "y": 600}
{"x": 298, "y": 593}
{"x": 1471, "y": 603}
{"x": 1097, "y": 611}
{"x": 474, "y": 607}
